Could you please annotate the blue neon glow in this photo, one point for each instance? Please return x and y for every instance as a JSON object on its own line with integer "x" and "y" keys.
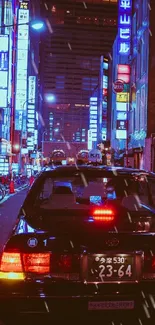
{"x": 90, "y": 219}
{"x": 92, "y": 136}
{"x": 50, "y": 98}
{"x": 4, "y": 43}
{"x": 37, "y": 25}
{"x": 22, "y": 65}
{"x": 124, "y": 23}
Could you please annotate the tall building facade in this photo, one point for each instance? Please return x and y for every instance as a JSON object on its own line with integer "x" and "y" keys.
{"x": 24, "y": 128}
{"x": 131, "y": 113}
{"x": 139, "y": 123}
{"x": 70, "y": 63}
{"x": 121, "y": 75}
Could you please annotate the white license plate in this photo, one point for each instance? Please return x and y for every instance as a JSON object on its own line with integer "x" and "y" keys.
{"x": 103, "y": 268}
{"x": 111, "y": 305}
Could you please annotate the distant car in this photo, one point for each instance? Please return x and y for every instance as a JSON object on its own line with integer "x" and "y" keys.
{"x": 83, "y": 247}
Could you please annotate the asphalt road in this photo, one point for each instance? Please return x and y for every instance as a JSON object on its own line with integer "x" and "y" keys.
{"x": 9, "y": 209}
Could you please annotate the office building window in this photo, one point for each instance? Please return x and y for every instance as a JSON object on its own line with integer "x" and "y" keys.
{"x": 60, "y": 82}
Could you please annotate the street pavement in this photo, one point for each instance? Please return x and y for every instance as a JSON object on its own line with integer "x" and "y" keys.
{"x": 9, "y": 209}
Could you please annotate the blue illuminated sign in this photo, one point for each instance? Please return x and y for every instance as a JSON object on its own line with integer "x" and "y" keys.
{"x": 124, "y": 29}
{"x": 4, "y": 60}
{"x": 21, "y": 68}
{"x": 31, "y": 113}
{"x": 93, "y": 119}
{"x": 4, "y": 47}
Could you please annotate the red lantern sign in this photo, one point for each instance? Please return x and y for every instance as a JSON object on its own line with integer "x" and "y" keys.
{"x": 118, "y": 86}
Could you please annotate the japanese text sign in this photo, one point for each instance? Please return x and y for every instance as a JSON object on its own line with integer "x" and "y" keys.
{"x": 124, "y": 29}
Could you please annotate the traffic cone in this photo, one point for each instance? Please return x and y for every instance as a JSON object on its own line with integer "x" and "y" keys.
{"x": 12, "y": 187}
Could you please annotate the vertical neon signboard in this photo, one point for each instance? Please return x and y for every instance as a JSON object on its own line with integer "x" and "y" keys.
{"x": 4, "y": 58}
{"x": 104, "y": 98}
{"x": 93, "y": 118}
{"x": 22, "y": 65}
{"x": 124, "y": 26}
{"x": 31, "y": 113}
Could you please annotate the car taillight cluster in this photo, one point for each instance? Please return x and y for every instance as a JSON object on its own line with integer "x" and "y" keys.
{"x": 15, "y": 265}
{"x": 37, "y": 263}
{"x": 149, "y": 266}
{"x": 103, "y": 215}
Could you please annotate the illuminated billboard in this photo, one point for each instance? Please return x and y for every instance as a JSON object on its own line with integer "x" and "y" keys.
{"x": 31, "y": 113}
{"x": 104, "y": 77}
{"x": 124, "y": 29}
{"x": 122, "y": 97}
{"x": 122, "y": 101}
{"x": 22, "y": 64}
{"x": 4, "y": 66}
{"x": 93, "y": 119}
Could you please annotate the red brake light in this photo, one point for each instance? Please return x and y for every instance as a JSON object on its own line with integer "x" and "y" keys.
{"x": 15, "y": 265}
{"x": 37, "y": 262}
{"x": 11, "y": 262}
{"x": 149, "y": 267}
{"x": 153, "y": 264}
{"x": 103, "y": 214}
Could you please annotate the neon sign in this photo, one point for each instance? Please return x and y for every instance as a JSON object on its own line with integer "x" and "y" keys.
{"x": 21, "y": 69}
{"x": 4, "y": 47}
{"x": 124, "y": 29}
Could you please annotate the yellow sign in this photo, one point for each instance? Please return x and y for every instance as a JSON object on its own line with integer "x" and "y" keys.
{"x": 24, "y": 5}
{"x": 122, "y": 97}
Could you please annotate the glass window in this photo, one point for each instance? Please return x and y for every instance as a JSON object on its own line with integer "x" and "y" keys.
{"x": 83, "y": 187}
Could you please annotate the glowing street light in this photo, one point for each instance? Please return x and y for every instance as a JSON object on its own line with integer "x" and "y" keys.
{"x": 37, "y": 25}
{"x": 16, "y": 147}
{"x": 34, "y": 24}
{"x": 50, "y": 98}
{"x": 56, "y": 129}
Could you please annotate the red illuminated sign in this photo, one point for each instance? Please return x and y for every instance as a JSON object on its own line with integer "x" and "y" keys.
{"x": 118, "y": 86}
{"x": 124, "y": 77}
{"x": 123, "y": 69}
{"x": 105, "y": 91}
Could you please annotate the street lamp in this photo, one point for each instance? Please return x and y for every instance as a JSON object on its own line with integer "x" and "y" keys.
{"x": 37, "y": 24}
{"x": 34, "y": 24}
{"x": 50, "y": 98}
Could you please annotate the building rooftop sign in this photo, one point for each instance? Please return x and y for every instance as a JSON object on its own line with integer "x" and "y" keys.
{"x": 124, "y": 26}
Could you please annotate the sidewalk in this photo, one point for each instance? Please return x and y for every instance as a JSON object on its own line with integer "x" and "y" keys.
{"x": 8, "y": 213}
{"x": 17, "y": 190}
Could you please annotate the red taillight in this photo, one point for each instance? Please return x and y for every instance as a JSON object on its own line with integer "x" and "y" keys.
{"x": 37, "y": 262}
{"x": 15, "y": 265}
{"x": 11, "y": 262}
{"x": 103, "y": 215}
{"x": 153, "y": 264}
{"x": 149, "y": 267}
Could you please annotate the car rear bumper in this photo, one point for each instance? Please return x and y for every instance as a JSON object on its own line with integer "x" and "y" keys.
{"x": 43, "y": 311}
{"x": 73, "y": 301}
